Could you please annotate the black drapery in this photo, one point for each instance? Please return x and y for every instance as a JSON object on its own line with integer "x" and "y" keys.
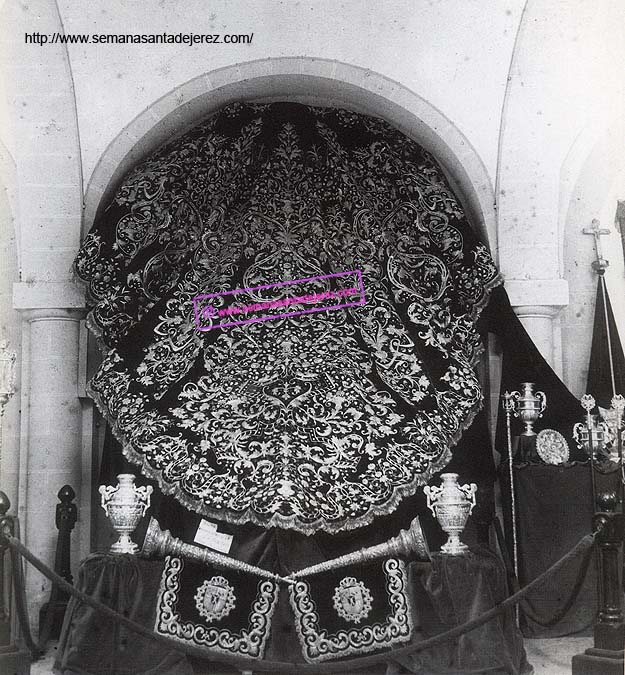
{"x": 606, "y": 370}
{"x": 522, "y": 362}
{"x": 318, "y": 422}
{"x": 553, "y": 503}
{"x": 458, "y": 589}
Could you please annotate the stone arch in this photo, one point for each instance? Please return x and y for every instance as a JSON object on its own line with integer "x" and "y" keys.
{"x": 307, "y": 80}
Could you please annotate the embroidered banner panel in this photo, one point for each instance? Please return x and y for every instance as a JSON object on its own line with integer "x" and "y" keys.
{"x": 206, "y": 607}
{"x": 311, "y": 421}
{"x": 364, "y": 613}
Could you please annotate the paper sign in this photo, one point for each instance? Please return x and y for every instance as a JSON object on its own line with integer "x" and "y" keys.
{"x": 207, "y": 525}
{"x": 209, "y": 537}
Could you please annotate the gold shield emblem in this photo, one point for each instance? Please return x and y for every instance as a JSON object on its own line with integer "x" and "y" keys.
{"x": 352, "y": 600}
{"x": 215, "y": 599}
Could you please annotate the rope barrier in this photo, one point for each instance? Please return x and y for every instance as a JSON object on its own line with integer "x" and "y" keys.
{"x": 20, "y": 606}
{"x": 284, "y": 666}
{"x": 582, "y": 573}
{"x": 36, "y": 649}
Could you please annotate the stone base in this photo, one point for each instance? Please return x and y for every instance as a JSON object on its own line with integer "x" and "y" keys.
{"x": 14, "y": 661}
{"x": 599, "y": 662}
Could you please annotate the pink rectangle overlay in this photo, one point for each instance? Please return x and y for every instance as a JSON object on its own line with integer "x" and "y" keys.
{"x": 210, "y": 308}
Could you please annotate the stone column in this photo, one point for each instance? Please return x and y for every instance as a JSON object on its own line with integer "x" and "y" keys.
{"x": 538, "y": 303}
{"x": 40, "y": 110}
{"x": 10, "y": 329}
{"x": 53, "y": 420}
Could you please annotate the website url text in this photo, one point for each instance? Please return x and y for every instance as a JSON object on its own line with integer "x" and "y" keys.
{"x": 134, "y": 38}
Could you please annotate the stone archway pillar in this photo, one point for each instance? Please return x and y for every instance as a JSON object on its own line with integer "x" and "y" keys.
{"x": 51, "y": 453}
{"x": 537, "y": 303}
{"x": 41, "y": 117}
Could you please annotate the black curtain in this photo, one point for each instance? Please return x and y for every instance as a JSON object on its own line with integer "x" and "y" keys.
{"x": 522, "y": 362}
{"x": 605, "y": 349}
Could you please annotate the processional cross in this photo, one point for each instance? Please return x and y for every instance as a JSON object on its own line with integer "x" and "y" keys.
{"x": 600, "y": 264}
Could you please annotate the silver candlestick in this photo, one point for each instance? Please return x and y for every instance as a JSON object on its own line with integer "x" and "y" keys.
{"x": 599, "y": 439}
{"x": 592, "y": 435}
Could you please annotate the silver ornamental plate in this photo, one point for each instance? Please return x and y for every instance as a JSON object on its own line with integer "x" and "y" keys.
{"x": 552, "y": 447}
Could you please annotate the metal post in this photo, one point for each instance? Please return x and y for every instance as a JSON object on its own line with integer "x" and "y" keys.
{"x": 607, "y": 656}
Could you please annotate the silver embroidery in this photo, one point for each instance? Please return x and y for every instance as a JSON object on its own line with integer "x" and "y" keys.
{"x": 315, "y": 422}
{"x": 249, "y": 641}
{"x": 352, "y": 600}
{"x": 320, "y": 645}
{"x": 215, "y": 599}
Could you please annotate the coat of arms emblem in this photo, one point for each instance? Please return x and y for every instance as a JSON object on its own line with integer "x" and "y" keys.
{"x": 215, "y": 599}
{"x": 352, "y": 600}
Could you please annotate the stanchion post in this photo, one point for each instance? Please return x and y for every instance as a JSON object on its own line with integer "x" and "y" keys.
{"x": 12, "y": 659}
{"x": 66, "y": 516}
{"x": 6, "y": 527}
{"x": 607, "y": 656}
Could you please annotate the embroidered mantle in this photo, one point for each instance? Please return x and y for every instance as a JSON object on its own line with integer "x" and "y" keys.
{"x": 313, "y": 422}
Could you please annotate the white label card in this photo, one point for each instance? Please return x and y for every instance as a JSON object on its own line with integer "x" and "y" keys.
{"x": 213, "y": 539}
{"x": 207, "y": 525}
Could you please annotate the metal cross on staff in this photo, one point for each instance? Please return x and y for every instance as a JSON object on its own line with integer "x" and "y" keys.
{"x": 600, "y": 264}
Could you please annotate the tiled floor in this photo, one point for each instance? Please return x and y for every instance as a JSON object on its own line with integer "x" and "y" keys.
{"x": 549, "y": 657}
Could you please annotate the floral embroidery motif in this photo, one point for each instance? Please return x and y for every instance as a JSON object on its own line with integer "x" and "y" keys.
{"x": 352, "y": 600}
{"x": 249, "y": 641}
{"x": 215, "y": 599}
{"x": 315, "y": 422}
{"x": 320, "y": 644}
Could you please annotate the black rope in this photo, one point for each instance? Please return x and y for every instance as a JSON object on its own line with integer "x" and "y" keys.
{"x": 284, "y": 666}
{"x": 37, "y": 649}
{"x": 528, "y": 609}
{"x": 20, "y": 605}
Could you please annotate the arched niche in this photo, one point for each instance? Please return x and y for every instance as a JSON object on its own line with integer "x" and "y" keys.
{"x": 306, "y": 80}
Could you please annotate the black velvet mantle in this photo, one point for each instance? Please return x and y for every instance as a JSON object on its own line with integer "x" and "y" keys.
{"x": 318, "y": 422}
